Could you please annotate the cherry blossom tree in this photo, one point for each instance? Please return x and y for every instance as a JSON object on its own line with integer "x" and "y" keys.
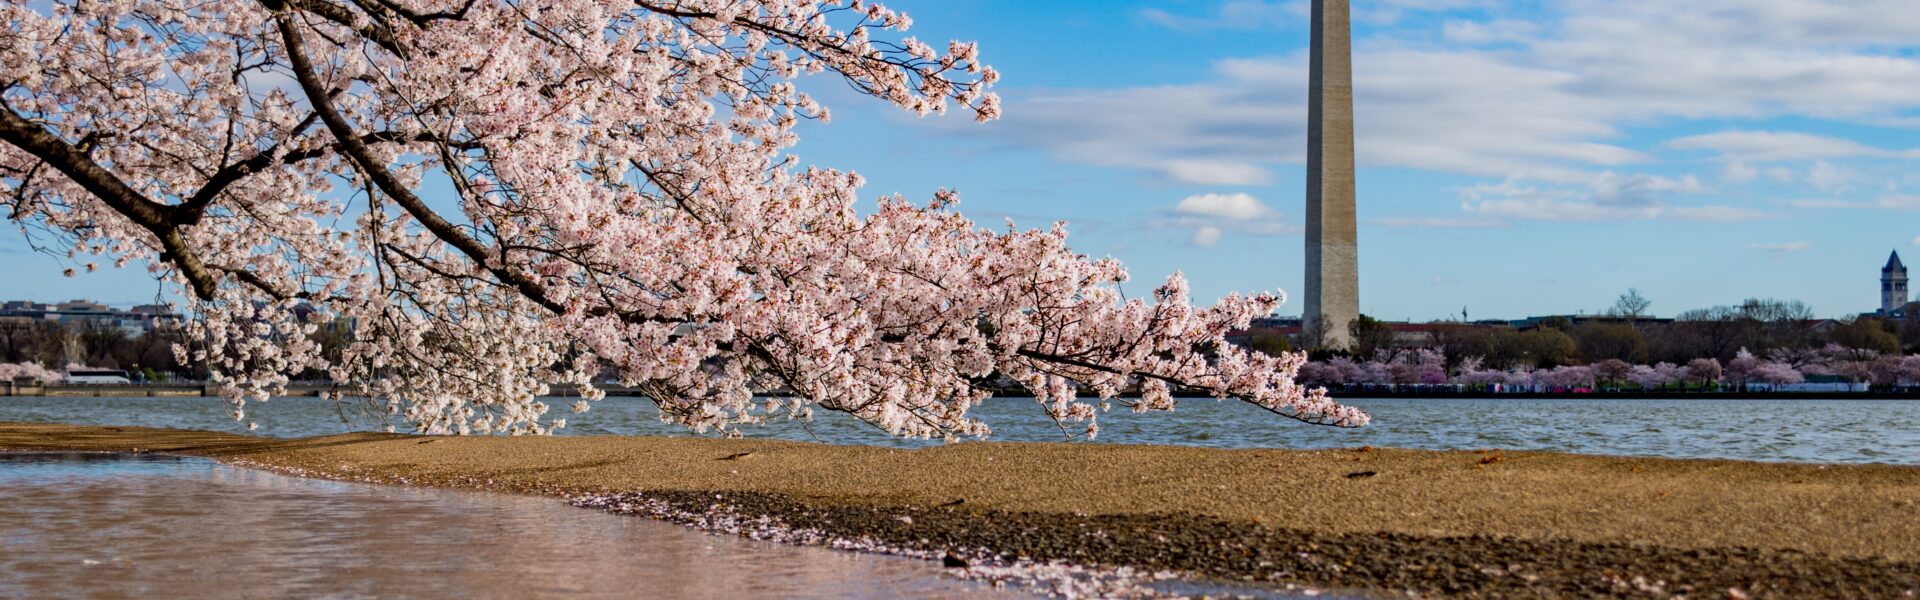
{"x": 1885, "y": 371}
{"x": 1418, "y": 366}
{"x": 1705, "y": 371}
{"x": 1473, "y": 371}
{"x": 1744, "y": 368}
{"x": 1351, "y": 372}
{"x": 29, "y": 370}
{"x": 500, "y": 195}
{"x": 1909, "y": 370}
{"x": 1522, "y": 378}
{"x": 1747, "y": 368}
{"x": 1650, "y": 377}
{"x": 1319, "y": 374}
{"x": 1482, "y": 378}
{"x": 1896, "y": 370}
{"x": 1568, "y": 377}
{"x": 1778, "y": 373}
{"x": 1612, "y": 371}
{"x": 1667, "y": 373}
{"x": 1853, "y": 364}
{"x": 1375, "y": 372}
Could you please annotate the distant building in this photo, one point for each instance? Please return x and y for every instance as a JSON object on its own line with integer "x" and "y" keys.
{"x": 134, "y": 321}
{"x": 83, "y": 306}
{"x": 1893, "y": 288}
{"x": 1538, "y": 322}
{"x": 1405, "y": 335}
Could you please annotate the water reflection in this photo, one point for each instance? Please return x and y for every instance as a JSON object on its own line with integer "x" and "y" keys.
{"x": 100, "y": 525}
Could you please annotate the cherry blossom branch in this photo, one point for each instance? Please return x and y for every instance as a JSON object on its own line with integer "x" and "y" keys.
{"x": 354, "y": 146}
{"x": 624, "y": 205}
{"x": 156, "y": 218}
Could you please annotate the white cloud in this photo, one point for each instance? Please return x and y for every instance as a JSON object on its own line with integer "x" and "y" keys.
{"x": 1633, "y": 190}
{"x": 1891, "y": 201}
{"x": 1556, "y": 105}
{"x": 1738, "y": 172}
{"x": 1205, "y": 237}
{"x": 1436, "y": 223}
{"x": 1916, "y": 241}
{"x": 1239, "y": 207}
{"x": 1234, "y": 14}
{"x": 1183, "y": 133}
{"x": 1550, "y": 108}
{"x": 1387, "y": 12}
{"x": 1274, "y": 14}
{"x": 1461, "y": 31}
{"x": 1899, "y": 202}
{"x": 1783, "y": 247}
{"x": 1772, "y": 145}
{"x": 1209, "y": 215}
{"x": 1545, "y": 101}
{"x": 1426, "y": 110}
{"x": 1218, "y": 173}
{"x": 1826, "y": 177}
{"x": 1607, "y": 197}
{"x": 1715, "y": 213}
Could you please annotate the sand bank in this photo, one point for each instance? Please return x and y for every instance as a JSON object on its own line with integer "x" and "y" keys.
{"x": 1491, "y": 523}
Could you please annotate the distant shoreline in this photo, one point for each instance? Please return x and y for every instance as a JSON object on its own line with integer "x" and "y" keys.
{"x": 1472, "y": 524}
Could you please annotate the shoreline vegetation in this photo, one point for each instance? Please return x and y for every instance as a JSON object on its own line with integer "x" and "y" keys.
{"x": 1487, "y": 523}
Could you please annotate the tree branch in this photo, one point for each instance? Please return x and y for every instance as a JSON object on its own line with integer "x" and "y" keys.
{"x": 352, "y": 145}
{"x": 379, "y": 33}
{"x": 194, "y": 205}
{"x": 157, "y": 218}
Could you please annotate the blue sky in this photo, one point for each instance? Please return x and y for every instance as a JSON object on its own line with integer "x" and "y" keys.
{"x": 1517, "y": 158}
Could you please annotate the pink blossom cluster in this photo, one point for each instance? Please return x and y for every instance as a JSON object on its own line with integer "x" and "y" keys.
{"x": 494, "y": 197}
{"x": 30, "y": 370}
{"x": 1417, "y": 366}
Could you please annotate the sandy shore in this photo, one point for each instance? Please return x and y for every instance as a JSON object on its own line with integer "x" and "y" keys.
{"x": 1474, "y": 524}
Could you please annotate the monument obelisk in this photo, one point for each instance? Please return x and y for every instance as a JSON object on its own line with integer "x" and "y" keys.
{"x": 1333, "y": 278}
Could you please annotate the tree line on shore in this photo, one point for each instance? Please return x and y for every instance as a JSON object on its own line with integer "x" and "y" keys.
{"x": 1757, "y": 341}
{"x": 38, "y": 348}
{"x": 1426, "y": 366}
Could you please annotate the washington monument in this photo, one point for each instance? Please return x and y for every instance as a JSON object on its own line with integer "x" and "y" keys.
{"x": 1333, "y": 278}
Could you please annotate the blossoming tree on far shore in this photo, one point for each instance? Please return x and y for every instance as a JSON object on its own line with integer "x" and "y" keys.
{"x": 500, "y": 195}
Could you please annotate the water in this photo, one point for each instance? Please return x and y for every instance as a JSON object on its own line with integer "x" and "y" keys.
{"x": 119, "y": 526}
{"x": 1827, "y": 431}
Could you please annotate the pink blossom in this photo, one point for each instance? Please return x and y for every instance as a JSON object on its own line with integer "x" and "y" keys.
{"x": 1744, "y": 368}
{"x": 1704, "y": 370}
{"x": 11, "y": 371}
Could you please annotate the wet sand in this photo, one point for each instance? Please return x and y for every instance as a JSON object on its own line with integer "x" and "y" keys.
{"x": 1471, "y": 524}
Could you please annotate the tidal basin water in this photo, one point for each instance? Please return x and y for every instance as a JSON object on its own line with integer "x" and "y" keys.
{"x": 122, "y": 526}
{"x": 1828, "y": 431}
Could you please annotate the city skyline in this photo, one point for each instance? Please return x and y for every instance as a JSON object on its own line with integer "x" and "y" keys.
{"x": 1513, "y": 161}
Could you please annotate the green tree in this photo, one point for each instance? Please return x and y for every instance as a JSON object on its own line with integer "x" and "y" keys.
{"x": 1372, "y": 339}
{"x": 1866, "y": 334}
{"x": 1544, "y": 348}
{"x": 1617, "y": 341}
{"x": 1270, "y": 343}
